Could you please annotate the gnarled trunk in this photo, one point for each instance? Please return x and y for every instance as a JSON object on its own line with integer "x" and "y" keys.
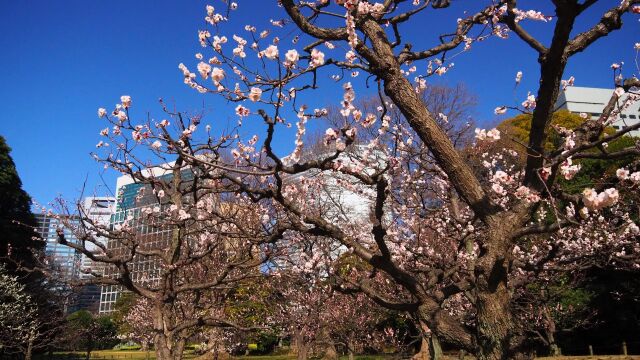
{"x": 495, "y": 321}
{"x": 429, "y": 345}
{"x": 494, "y": 316}
{"x": 300, "y": 347}
{"x": 330, "y": 352}
{"x": 168, "y": 346}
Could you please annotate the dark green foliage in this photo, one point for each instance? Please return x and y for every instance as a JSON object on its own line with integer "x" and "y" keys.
{"x": 594, "y": 172}
{"x": 265, "y": 341}
{"x": 123, "y": 306}
{"x": 594, "y": 306}
{"x": 87, "y": 332}
{"x": 16, "y": 220}
{"x": 614, "y": 303}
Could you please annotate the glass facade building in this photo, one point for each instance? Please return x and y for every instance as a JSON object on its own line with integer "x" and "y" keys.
{"x": 62, "y": 259}
{"x": 69, "y": 264}
{"x": 129, "y": 204}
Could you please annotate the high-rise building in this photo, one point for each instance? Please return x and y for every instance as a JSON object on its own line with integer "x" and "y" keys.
{"x": 337, "y": 200}
{"x": 592, "y": 102}
{"x": 62, "y": 259}
{"x": 69, "y": 264}
{"x": 98, "y": 210}
{"x": 132, "y": 198}
{"x": 341, "y": 197}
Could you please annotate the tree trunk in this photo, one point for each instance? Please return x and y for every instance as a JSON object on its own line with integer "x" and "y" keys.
{"x": 330, "y": 352}
{"x": 300, "y": 348}
{"x": 552, "y": 66}
{"x": 424, "y": 353}
{"x": 166, "y": 345}
{"x": 168, "y": 349}
{"x": 89, "y": 348}
{"x": 495, "y": 321}
{"x": 29, "y": 353}
{"x": 429, "y": 345}
{"x": 550, "y": 330}
{"x": 303, "y": 352}
{"x": 351, "y": 347}
{"x": 436, "y": 349}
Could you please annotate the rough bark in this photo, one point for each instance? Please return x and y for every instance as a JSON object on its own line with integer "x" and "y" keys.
{"x": 330, "y": 352}
{"x": 300, "y": 347}
{"x": 552, "y": 65}
{"x": 429, "y": 349}
{"x": 303, "y": 352}
{"x": 29, "y": 353}
{"x": 168, "y": 349}
{"x": 400, "y": 91}
{"x": 492, "y": 304}
{"x": 429, "y": 345}
{"x": 445, "y": 327}
{"x": 495, "y": 321}
{"x": 167, "y": 345}
{"x": 495, "y": 334}
{"x": 436, "y": 349}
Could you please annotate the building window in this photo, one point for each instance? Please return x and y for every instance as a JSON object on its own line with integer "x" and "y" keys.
{"x": 632, "y": 116}
{"x": 623, "y": 116}
{"x": 595, "y": 114}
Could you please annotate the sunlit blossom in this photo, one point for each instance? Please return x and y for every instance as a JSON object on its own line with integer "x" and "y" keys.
{"x": 255, "y": 94}
{"x": 126, "y": 101}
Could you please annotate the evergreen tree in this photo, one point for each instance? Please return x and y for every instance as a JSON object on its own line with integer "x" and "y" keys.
{"x": 17, "y": 222}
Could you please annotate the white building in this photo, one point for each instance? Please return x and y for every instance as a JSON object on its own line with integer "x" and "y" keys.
{"x": 335, "y": 196}
{"x": 99, "y": 210}
{"x": 593, "y": 100}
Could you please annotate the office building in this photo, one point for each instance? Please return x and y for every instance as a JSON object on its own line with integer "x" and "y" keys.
{"x": 98, "y": 210}
{"x": 132, "y": 198}
{"x": 69, "y": 264}
{"x": 592, "y": 102}
{"x": 63, "y": 260}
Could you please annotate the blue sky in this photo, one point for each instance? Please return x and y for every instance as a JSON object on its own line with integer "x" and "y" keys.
{"x": 61, "y": 60}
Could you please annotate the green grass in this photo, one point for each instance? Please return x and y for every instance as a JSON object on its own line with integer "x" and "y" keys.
{"x": 290, "y": 357}
{"x": 110, "y": 354}
{"x": 141, "y": 355}
{"x": 266, "y": 357}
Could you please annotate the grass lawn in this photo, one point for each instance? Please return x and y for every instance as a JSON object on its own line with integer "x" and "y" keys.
{"x": 141, "y": 355}
{"x": 110, "y": 354}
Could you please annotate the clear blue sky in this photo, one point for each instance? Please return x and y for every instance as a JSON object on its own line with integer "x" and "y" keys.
{"x": 61, "y": 60}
